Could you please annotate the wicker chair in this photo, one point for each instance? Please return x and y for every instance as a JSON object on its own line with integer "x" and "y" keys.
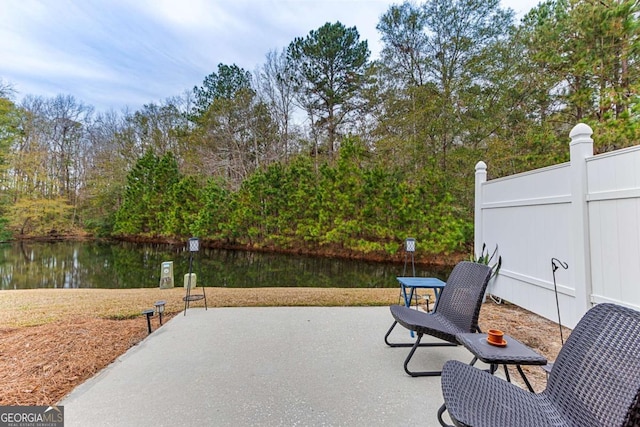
{"x": 456, "y": 311}
{"x": 595, "y": 381}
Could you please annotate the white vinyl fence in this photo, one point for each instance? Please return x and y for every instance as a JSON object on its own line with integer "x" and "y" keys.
{"x": 585, "y": 213}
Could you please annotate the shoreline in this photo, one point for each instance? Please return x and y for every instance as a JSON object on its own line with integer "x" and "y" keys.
{"x": 333, "y": 251}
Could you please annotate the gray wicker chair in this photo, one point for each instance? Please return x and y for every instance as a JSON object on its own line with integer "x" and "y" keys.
{"x": 456, "y": 311}
{"x": 595, "y": 381}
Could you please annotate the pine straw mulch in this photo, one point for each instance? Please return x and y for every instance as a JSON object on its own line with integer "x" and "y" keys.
{"x": 41, "y": 364}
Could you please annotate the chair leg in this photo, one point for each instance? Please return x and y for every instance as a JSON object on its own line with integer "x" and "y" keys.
{"x": 440, "y": 412}
{"x": 414, "y": 344}
{"x": 394, "y": 344}
{"x": 408, "y": 344}
{"x": 413, "y": 350}
{"x": 386, "y": 337}
{"x": 398, "y": 344}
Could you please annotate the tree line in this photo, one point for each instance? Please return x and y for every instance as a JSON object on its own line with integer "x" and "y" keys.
{"x": 323, "y": 148}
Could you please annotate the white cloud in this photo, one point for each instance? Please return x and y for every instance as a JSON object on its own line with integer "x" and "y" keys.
{"x": 187, "y": 15}
{"x": 113, "y": 53}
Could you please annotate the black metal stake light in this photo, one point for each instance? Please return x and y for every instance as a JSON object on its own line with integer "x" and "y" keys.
{"x": 148, "y": 313}
{"x": 160, "y": 309}
{"x": 409, "y": 251}
{"x": 193, "y": 246}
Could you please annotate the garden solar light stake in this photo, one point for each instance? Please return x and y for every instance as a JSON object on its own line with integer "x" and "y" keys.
{"x": 554, "y": 267}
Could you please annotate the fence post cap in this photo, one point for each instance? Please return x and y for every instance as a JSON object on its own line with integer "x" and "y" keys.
{"x": 481, "y": 165}
{"x": 579, "y": 130}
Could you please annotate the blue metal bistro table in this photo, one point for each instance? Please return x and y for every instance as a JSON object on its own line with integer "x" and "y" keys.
{"x": 410, "y": 284}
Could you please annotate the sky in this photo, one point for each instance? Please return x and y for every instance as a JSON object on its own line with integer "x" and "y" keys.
{"x": 122, "y": 54}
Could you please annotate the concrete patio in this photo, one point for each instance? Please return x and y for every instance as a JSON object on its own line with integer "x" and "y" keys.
{"x": 305, "y": 366}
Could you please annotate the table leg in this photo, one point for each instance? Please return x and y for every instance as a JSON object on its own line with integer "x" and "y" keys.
{"x": 436, "y": 294}
{"x": 524, "y": 378}
{"x": 407, "y": 300}
{"x": 494, "y": 367}
{"x": 506, "y": 373}
{"x": 412, "y": 293}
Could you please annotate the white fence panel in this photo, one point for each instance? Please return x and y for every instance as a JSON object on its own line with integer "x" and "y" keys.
{"x": 614, "y": 226}
{"x": 544, "y": 185}
{"x": 529, "y": 217}
{"x": 585, "y": 213}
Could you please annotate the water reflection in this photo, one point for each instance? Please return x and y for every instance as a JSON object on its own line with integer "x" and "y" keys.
{"x": 28, "y": 265}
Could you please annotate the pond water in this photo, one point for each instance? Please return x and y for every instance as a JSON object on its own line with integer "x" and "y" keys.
{"x": 29, "y": 265}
